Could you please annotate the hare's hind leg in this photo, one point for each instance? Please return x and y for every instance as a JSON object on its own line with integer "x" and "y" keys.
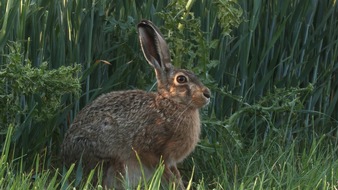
{"x": 125, "y": 174}
{"x": 113, "y": 174}
{"x": 171, "y": 174}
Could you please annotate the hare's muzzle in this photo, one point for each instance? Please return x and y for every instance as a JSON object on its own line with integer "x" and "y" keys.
{"x": 206, "y": 93}
{"x": 206, "y": 96}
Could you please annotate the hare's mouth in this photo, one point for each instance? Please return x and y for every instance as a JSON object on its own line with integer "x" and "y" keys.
{"x": 200, "y": 101}
{"x": 206, "y": 96}
{"x": 206, "y": 101}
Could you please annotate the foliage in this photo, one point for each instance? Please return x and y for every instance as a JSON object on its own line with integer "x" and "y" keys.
{"x": 31, "y": 97}
{"x": 282, "y": 105}
{"x": 185, "y": 37}
{"x": 24, "y": 86}
{"x": 229, "y": 14}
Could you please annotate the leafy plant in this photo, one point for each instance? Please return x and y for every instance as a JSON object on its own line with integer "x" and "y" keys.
{"x": 31, "y": 97}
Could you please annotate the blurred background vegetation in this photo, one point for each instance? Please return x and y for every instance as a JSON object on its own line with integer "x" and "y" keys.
{"x": 271, "y": 65}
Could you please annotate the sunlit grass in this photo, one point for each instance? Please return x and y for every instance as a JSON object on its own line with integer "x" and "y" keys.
{"x": 272, "y": 167}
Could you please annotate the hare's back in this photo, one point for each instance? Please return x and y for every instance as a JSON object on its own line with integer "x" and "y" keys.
{"x": 108, "y": 124}
{"x": 116, "y": 110}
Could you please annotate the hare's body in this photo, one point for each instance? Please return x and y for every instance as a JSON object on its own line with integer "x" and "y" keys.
{"x": 162, "y": 132}
{"x": 119, "y": 126}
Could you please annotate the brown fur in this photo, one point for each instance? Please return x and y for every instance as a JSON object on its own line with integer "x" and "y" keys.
{"x": 161, "y": 125}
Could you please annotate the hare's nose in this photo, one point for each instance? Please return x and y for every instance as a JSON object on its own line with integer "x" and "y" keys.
{"x": 206, "y": 93}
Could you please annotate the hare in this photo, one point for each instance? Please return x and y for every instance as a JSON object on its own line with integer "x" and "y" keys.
{"x": 125, "y": 129}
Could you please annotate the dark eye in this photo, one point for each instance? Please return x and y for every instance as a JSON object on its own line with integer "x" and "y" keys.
{"x": 181, "y": 79}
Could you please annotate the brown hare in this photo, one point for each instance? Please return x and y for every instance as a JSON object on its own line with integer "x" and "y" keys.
{"x": 117, "y": 126}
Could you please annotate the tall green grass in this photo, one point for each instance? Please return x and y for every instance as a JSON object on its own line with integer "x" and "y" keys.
{"x": 273, "y": 118}
{"x": 275, "y": 167}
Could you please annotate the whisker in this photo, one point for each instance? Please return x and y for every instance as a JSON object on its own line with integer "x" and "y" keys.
{"x": 180, "y": 116}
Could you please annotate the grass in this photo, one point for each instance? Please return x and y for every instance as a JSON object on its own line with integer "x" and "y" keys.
{"x": 272, "y": 122}
{"x": 270, "y": 167}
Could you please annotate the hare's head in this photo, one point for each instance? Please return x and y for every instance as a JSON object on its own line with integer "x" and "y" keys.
{"x": 180, "y": 85}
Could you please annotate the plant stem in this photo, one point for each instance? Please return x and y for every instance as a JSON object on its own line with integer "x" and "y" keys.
{"x": 188, "y": 6}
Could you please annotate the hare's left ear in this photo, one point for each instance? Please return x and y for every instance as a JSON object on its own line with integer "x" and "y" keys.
{"x": 155, "y": 50}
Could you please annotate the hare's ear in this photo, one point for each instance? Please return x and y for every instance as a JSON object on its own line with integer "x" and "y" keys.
{"x": 155, "y": 50}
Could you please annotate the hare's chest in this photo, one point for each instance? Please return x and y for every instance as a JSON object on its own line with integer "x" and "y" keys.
{"x": 184, "y": 139}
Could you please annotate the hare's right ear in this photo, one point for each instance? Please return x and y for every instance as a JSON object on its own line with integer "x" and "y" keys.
{"x": 155, "y": 50}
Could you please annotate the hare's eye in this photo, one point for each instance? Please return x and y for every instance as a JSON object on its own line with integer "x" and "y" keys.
{"x": 181, "y": 79}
